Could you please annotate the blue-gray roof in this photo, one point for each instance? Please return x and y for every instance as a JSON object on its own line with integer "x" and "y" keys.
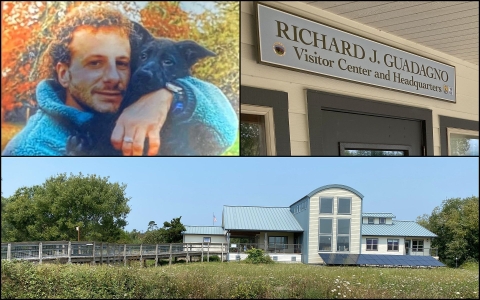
{"x": 204, "y": 230}
{"x": 378, "y": 215}
{"x": 335, "y": 186}
{"x": 259, "y": 218}
{"x": 398, "y": 228}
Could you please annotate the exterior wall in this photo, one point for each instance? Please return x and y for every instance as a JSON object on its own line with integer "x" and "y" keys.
{"x": 377, "y": 220}
{"x": 314, "y": 213}
{"x": 303, "y": 218}
{"x": 197, "y": 238}
{"x": 294, "y": 83}
{"x": 286, "y": 258}
{"x": 382, "y": 245}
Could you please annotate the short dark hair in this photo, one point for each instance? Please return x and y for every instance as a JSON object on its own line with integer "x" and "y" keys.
{"x": 87, "y": 15}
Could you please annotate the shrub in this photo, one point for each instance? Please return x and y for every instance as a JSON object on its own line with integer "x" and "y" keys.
{"x": 470, "y": 264}
{"x": 258, "y": 256}
{"x": 211, "y": 258}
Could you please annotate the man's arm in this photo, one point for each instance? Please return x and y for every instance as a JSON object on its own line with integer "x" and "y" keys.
{"x": 142, "y": 119}
{"x": 201, "y": 121}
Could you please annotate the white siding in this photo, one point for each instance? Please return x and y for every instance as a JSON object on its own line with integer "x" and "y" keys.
{"x": 355, "y": 219}
{"x": 286, "y": 258}
{"x": 197, "y": 238}
{"x": 377, "y": 220}
{"x": 383, "y": 249}
{"x": 382, "y": 245}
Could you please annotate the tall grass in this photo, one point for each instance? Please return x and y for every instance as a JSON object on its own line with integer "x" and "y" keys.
{"x": 233, "y": 280}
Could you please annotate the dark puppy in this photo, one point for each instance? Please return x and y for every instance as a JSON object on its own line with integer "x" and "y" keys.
{"x": 155, "y": 63}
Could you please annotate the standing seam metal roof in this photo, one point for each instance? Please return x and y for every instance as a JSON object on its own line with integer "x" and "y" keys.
{"x": 398, "y": 228}
{"x": 205, "y": 230}
{"x": 259, "y": 218}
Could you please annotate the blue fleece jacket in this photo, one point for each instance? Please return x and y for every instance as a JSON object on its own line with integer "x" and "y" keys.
{"x": 205, "y": 109}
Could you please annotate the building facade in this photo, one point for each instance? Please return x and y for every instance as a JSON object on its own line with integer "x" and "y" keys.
{"x": 298, "y": 99}
{"x": 328, "y": 220}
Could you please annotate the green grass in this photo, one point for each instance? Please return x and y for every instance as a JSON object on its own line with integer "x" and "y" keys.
{"x": 233, "y": 280}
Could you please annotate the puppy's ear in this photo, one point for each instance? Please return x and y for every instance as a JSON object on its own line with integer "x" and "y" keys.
{"x": 192, "y": 51}
{"x": 140, "y": 35}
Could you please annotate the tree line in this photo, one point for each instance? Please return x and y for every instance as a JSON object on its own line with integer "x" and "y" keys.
{"x": 455, "y": 222}
{"x": 99, "y": 208}
{"x": 51, "y": 211}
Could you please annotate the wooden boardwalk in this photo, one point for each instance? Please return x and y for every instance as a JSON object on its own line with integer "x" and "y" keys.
{"x": 94, "y": 252}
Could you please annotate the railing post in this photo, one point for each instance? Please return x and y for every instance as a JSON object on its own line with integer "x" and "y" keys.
{"x": 125, "y": 255}
{"x": 101, "y": 254}
{"x": 208, "y": 252}
{"x": 141, "y": 257}
{"x": 9, "y": 251}
{"x": 202, "y": 254}
{"x": 222, "y": 252}
{"x": 69, "y": 252}
{"x": 93, "y": 254}
{"x": 187, "y": 258}
{"x": 170, "y": 256}
{"x": 156, "y": 255}
{"x": 40, "y": 254}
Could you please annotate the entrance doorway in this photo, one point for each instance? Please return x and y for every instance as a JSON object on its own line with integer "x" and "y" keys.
{"x": 348, "y": 126}
{"x": 408, "y": 249}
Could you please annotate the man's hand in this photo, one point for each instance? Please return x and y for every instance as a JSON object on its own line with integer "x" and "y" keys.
{"x": 142, "y": 119}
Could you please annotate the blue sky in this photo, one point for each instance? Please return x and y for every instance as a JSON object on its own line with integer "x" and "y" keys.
{"x": 196, "y": 188}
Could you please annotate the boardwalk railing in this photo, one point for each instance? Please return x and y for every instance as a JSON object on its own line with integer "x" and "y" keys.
{"x": 106, "y": 252}
{"x": 421, "y": 251}
{"x": 271, "y": 248}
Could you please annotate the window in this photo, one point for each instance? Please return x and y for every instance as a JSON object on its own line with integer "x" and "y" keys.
{"x": 343, "y": 234}
{"x": 257, "y": 101}
{"x": 326, "y": 205}
{"x": 256, "y": 131}
{"x": 370, "y": 220}
{"x": 325, "y": 235}
{"x": 252, "y": 128}
{"x": 344, "y": 206}
{"x": 372, "y": 244}
{"x": 382, "y": 220}
{"x": 417, "y": 246}
{"x": 207, "y": 239}
{"x": 277, "y": 242}
{"x": 392, "y": 245}
{"x": 462, "y": 142}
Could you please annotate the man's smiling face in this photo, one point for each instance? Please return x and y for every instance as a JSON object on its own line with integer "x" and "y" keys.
{"x": 99, "y": 70}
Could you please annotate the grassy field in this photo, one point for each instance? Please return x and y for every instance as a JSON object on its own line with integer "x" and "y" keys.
{"x": 234, "y": 280}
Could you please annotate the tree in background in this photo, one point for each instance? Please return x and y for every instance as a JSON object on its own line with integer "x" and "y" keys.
{"x": 455, "y": 223}
{"x": 171, "y": 232}
{"x": 51, "y": 211}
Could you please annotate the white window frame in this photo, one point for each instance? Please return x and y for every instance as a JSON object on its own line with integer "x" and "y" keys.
{"x": 267, "y": 113}
{"x": 451, "y": 130}
{"x": 366, "y": 244}
{"x": 380, "y": 220}
{"x": 207, "y": 239}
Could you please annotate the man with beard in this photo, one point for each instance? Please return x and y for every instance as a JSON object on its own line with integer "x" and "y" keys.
{"x": 91, "y": 56}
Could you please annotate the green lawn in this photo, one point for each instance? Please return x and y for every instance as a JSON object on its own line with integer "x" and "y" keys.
{"x": 234, "y": 280}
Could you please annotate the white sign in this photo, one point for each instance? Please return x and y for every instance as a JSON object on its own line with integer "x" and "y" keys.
{"x": 293, "y": 42}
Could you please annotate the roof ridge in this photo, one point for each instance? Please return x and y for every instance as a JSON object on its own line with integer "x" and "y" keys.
{"x": 257, "y": 206}
{"x": 203, "y": 226}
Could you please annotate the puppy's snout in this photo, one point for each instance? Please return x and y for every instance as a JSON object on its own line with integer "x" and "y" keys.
{"x": 147, "y": 70}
